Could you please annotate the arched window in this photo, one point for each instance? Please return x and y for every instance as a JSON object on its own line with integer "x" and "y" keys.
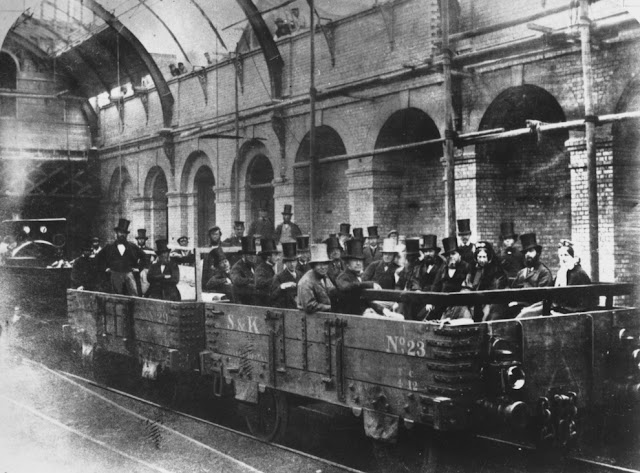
{"x": 8, "y": 80}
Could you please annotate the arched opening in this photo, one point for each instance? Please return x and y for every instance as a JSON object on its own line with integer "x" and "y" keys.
{"x": 260, "y": 186}
{"x": 157, "y": 203}
{"x": 8, "y": 80}
{"x": 525, "y": 180}
{"x": 626, "y": 187}
{"x": 203, "y": 184}
{"x": 331, "y": 203}
{"x": 409, "y": 184}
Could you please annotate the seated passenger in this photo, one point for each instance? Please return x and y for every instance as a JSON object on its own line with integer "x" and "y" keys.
{"x": 449, "y": 279}
{"x": 220, "y": 280}
{"x": 349, "y": 282}
{"x": 511, "y": 258}
{"x": 486, "y": 274}
{"x": 266, "y": 271}
{"x": 534, "y": 274}
{"x": 163, "y": 275}
{"x": 242, "y": 273}
{"x": 571, "y": 273}
{"x": 183, "y": 254}
{"x": 408, "y": 278}
{"x": 284, "y": 286}
{"x": 383, "y": 271}
{"x": 334, "y": 250}
{"x": 431, "y": 262}
{"x": 302, "y": 265}
{"x": 315, "y": 289}
{"x": 83, "y": 272}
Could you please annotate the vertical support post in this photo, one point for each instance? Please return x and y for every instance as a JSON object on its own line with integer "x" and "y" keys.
{"x": 590, "y": 138}
{"x": 312, "y": 112}
{"x": 450, "y": 184}
{"x": 236, "y": 174}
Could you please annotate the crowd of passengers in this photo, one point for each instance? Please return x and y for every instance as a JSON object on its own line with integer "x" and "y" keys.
{"x": 330, "y": 276}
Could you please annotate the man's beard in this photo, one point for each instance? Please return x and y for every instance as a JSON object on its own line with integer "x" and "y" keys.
{"x": 121, "y": 238}
{"x": 452, "y": 264}
{"x": 530, "y": 262}
{"x": 429, "y": 259}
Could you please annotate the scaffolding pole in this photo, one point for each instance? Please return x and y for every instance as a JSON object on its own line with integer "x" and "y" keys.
{"x": 449, "y": 133}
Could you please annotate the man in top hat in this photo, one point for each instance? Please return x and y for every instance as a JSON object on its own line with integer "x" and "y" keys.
{"x": 284, "y": 287}
{"x": 335, "y": 255}
{"x": 220, "y": 280}
{"x": 164, "y": 275}
{"x": 83, "y": 271}
{"x": 408, "y": 278}
{"x": 344, "y": 234}
{"x": 431, "y": 262}
{"x": 535, "y": 273}
{"x": 234, "y": 239}
{"x": 302, "y": 265}
{"x": 287, "y": 231}
{"x": 243, "y": 272}
{"x": 119, "y": 259}
{"x": 211, "y": 259}
{"x": 315, "y": 289}
{"x": 263, "y": 227}
{"x": 450, "y": 278}
{"x": 511, "y": 258}
{"x": 466, "y": 249}
{"x": 266, "y": 270}
{"x": 349, "y": 282}
{"x": 371, "y": 250}
{"x": 383, "y": 271}
{"x": 183, "y": 254}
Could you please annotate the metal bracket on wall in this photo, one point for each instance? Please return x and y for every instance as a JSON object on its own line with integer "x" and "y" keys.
{"x": 203, "y": 78}
{"x": 387, "y": 10}
{"x": 143, "y": 94}
{"x": 238, "y": 62}
{"x": 169, "y": 148}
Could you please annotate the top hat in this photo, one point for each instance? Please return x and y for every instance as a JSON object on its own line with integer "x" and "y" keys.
{"x": 161, "y": 246}
{"x": 289, "y": 252}
{"x": 464, "y": 227}
{"x": 413, "y": 246}
{"x": 389, "y": 246}
{"x": 183, "y": 237}
{"x": 238, "y": 223}
{"x": 429, "y": 242}
{"x": 287, "y": 210}
{"x": 344, "y": 228}
{"x": 450, "y": 244}
{"x": 303, "y": 242}
{"x": 123, "y": 226}
{"x": 507, "y": 231}
{"x": 319, "y": 254}
{"x": 373, "y": 231}
{"x": 268, "y": 246}
{"x": 248, "y": 245}
{"x": 142, "y": 234}
{"x": 392, "y": 232}
{"x": 332, "y": 243}
{"x": 528, "y": 241}
{"x": 358, "y": 234}
{"x": 354, "y": 250}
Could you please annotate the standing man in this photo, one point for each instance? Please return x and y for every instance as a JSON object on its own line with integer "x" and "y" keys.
{"x": 266, "y": 271}
{"x": 164, "y": 275}
{"x": 371, "y": 251}
{"x": 431, "y": 262}
{"x": 211, "y": 260}
{"x": 243, "y": 273}
{"x": 149, "y": 257}
{"x": 350, "y": 283}
{"x": 95, "y": 247}
{"x": 344, "y": 234}
{"x": 263, "y": 227}
{"x": 119, "y": 259}
{"x": 511, "y": 259}
{"x": 284, "y": 287}
{"x": 315, "y": 289}
{"x": 238, "y": 232}
{"x": 287, "y": 231}
{"x": 183, "y": 254}
{"x": 383, "y": 270}
{"x": 303, "y": 254}
{"x": 83, "y": 272}
{"x": 336, "y": 265}
{"x": 466, "y": 249}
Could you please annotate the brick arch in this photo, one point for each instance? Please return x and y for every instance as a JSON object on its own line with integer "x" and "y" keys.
{"x": 193, "y": 163}
{"x": 409, "y": 183}
{"x": 626, "y": 183}
{"x": 331, "y": 203}
{"x": 156, "y": 211}
{"x": 524, "y": 180}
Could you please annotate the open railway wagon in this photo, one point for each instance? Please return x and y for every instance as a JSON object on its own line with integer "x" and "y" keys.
{"x": 547, "y": 380}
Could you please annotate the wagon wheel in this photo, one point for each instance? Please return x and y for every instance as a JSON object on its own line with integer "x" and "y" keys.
{"x": 269, "y": 418}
